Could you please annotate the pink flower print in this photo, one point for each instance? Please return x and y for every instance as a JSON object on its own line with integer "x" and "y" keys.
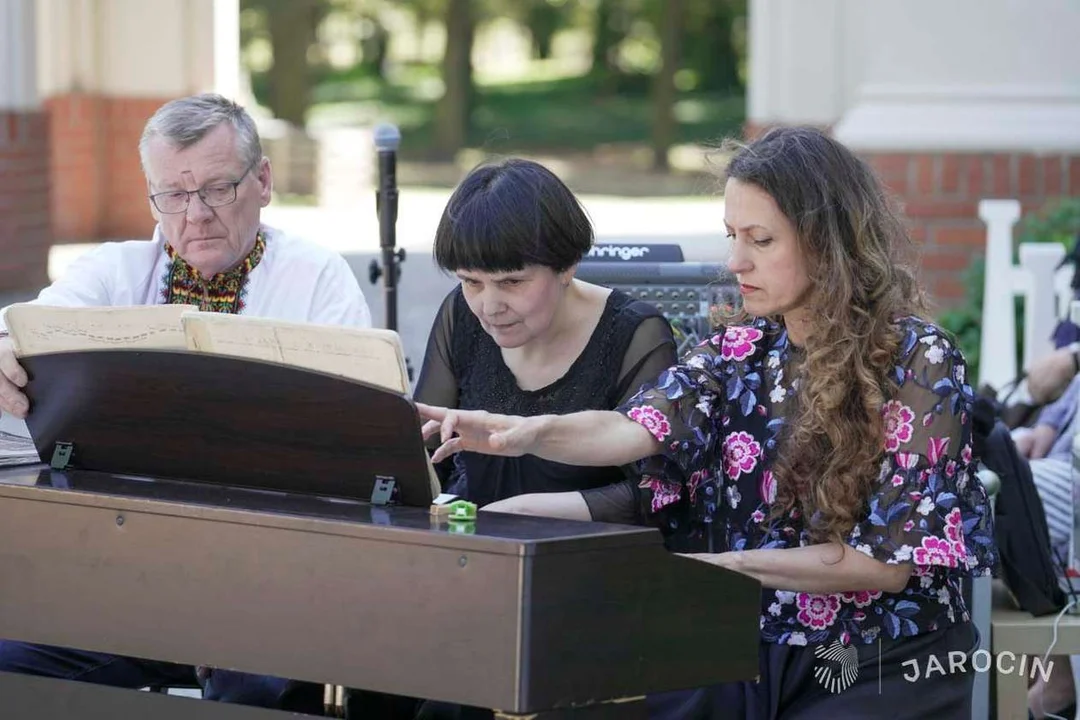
{"x": 757, "y": 516}
{"x": 741, "y": 452}
{"x": 860, "y": 598}
{"x": 954, "y": 526}
{"x": 817, "y": 611}
{"x": 965, "y": 454}
{"x": 652, "y": 420}
{"x": 738, "y": 343}
{"x": 908, "y": 525}
{"x": 950, "y": 468}
{"x": 906, "y": 460}
{"x": 935, "y": 449}
{"x": 935, "y": 551}
{"x": 858, "y": 616}
{"x": 767, "y": 487}
{"x": 897, "y": 417}
{"x": 897, "y": 480}
{"x": 694, "y": 481}
{"x": 664, "y": 492}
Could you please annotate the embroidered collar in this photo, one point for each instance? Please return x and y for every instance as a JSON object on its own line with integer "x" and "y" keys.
{"x": 223, "y": 293}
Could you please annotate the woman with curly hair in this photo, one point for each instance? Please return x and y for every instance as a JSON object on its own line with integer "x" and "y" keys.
{"x": 820, "y": 442}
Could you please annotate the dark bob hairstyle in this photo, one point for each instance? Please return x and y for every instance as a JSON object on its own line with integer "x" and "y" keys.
{"x": 508, "y": 214}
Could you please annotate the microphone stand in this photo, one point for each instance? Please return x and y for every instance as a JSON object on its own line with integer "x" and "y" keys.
{"x": 387, "y": 139}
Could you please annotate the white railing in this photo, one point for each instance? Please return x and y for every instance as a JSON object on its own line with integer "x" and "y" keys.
{"x": 1045, "y": 290}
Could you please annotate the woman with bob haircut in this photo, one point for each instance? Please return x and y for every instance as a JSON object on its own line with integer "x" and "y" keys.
{"x": 520, "y": 335}
{"x": 820, "y": 442}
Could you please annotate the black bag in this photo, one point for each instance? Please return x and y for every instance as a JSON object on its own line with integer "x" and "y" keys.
{"x": 1015, "y": 415}
{"x": 1020, "y": 530}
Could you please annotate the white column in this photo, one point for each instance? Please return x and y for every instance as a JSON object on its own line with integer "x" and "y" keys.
{"x": 18, "y": 63}
{"x": 963, "y": 75}
{"x": 798, "y": 69}
{"x": 227, "y": 49}
{"x": 68, "y": 54}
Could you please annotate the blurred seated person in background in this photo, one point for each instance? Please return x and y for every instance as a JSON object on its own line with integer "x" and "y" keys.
{"x": 1048, "y": 447}
{"x": 1048, "y": 377}
{"x": 207, "y": 181}
{"x": 521, "y": 335}
{"x": 820, "y": 444}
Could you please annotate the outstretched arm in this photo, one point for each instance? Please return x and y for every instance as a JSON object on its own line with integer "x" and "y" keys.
{"x": 595, "y": 438}
{"x": 823, "y": 568}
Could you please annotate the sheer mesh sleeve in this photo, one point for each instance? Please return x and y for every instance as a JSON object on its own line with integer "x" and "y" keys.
{"x": 437, "y": 384}
{"x": 651, "y": 351}
{"x": 927, "y": 506}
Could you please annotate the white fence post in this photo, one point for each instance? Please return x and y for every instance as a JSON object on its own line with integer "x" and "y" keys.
{"x": 998, "y": 331}
{"x": 1039, "y": 262}
{"x": 1045, "y": 288}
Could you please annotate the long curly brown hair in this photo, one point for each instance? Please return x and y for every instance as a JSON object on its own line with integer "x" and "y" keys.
{"x": 859, "y": 257}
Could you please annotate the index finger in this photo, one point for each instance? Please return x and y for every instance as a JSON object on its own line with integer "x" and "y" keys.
{"x": 431, "y": 412}
{"x": 10, "y": 366}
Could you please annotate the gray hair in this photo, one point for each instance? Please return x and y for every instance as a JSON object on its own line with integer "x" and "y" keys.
{"x": 186, "y": 121}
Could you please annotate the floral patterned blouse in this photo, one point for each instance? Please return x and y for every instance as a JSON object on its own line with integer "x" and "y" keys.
{"x": 719, "y": 413}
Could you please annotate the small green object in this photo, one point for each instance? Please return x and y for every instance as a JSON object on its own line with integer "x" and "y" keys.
{"x": 462, "y": 511}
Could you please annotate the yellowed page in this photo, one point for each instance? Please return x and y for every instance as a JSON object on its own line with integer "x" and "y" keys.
{"x": 42, "y": 329}
{"x": 369, "y": 355}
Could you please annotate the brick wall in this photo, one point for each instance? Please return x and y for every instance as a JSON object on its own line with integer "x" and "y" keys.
{"x": 25, "y": 233}
{"x": 940, "y": 193}
{"x": 99, "y": 189}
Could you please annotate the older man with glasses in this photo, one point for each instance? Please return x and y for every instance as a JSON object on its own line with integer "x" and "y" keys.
{"x": 207, "y": 183}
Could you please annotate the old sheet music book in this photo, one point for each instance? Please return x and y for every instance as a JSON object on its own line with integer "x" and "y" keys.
{"x": 368, "y": 355}
{"x": 40, "y": 329}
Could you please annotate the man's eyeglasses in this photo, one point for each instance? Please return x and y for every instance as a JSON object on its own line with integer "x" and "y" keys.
{"x": 174, "y": 202}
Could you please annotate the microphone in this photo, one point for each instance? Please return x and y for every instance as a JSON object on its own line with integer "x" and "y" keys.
{"x": 387, "y": 138}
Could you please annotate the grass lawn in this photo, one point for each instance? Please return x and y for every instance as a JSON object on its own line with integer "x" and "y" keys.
{"x": 537, "y": 115}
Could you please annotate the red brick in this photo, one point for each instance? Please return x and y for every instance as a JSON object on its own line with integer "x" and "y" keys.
{"x": 928, "y": 208}
{"x": 924, "y": 175}
{"x": 1001, "y": 180}
{"x": 1028, "y": 175}
{"x": 1053, "y": 175}
{"x": 947, "y": 290}
{"x": 976, "y": 172}
{"x": 893, "y": 170}
{"x": 970, "y": 236}
{"x": 950, "y": 174}
{"x": 952, "y": 261}
{"x": 1074, "y": 175}
{"x": 24, "y": 200}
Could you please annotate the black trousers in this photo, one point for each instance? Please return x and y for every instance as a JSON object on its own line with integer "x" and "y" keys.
{"x": 906, "y": 679}
{"x": 897, "y": 679}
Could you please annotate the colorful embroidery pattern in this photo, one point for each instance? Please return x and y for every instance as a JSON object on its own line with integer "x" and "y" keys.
{"x": 223, "y": 293}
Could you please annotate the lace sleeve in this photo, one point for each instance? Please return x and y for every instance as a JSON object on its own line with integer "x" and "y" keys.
{"x": 651, "y": 351}
{"x": 437, "y": 384}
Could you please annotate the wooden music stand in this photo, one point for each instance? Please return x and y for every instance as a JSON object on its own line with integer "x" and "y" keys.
{"x": 225, "y": 420}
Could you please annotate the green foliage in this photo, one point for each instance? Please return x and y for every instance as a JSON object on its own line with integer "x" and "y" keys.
{"x": 965, "y": 321}
{"x": 545, "y": 115}
{"x": 1058, "y": 221}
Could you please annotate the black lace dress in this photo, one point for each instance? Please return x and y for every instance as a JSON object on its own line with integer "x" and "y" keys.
{"x": 463, "y": 368}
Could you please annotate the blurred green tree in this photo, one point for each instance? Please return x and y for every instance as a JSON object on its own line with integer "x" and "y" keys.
{"x": 291, "y": 26}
